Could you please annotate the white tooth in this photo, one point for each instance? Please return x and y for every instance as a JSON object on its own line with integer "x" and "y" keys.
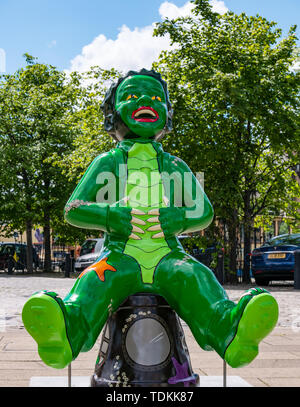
{"x": 153, "y": 220}
{"x": 153, "y": 212}
{"x": 158, "y": 235}
{"x": 137, "y": 229}
{"x": 135, "y": 237}
{"x": 143, "y": 111}
{"x": 154, "y": 228}
{"x": 137, "y": 212}
{"x": 137, "y": 221}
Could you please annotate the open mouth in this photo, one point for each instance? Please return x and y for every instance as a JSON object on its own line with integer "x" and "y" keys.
{"x": 145, "y": 114}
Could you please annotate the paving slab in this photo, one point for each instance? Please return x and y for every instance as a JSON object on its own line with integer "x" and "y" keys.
{"x": 277, "y": 365}
{"x": 19, "y": 383}
{"x": 19, "y": 362}
{"x": 255, "y": 382}
{"x": 282, "y": 381}
{"x": 260, "y": 372}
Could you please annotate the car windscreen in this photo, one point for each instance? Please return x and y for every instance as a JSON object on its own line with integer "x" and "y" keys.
{"x": 7, "y": 249}
{"x": 285, "y": 240}
{"x": 88, "y": 247}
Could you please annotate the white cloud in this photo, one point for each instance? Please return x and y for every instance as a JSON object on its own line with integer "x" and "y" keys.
{"x": 132, "y": 49}
{"x": 170, "y": 10}
{"x": 218, "y": 6}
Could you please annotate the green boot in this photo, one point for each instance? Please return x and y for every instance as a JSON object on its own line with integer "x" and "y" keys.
{"x": 44, "y": 318}
{"x": 257, "y": 315}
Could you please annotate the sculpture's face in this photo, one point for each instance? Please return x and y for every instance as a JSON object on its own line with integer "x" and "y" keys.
{"x": 141, "y": 103}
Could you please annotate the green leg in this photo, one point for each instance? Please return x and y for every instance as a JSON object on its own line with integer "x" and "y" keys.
{"x": 192, "y": 291}
{"x": 232, "y": 330}
{"x": 98, "y": 294}
{"x": 62, "y": 329}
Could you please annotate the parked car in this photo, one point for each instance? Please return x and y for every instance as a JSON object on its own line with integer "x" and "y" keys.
{"x": 275, "y": 259}
{"x": 13, "y": 256}
{"x": 89, "y": 252}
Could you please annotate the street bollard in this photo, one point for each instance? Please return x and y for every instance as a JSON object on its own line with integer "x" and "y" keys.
{"x": 72, "y": 253}
{"x": 297, "y": 270}
{"x": 69, "y": 375}
{"x": 68, "y": 265}
{"x": 224, "y": 374}
{"x": 10, "y": 265}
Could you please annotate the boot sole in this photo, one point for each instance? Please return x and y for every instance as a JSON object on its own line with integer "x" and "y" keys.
{"x": 44, "y": 321}
{"x": 258, "y": 320}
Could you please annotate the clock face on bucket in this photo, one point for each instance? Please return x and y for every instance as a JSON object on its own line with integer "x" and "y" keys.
{"x": 147, "y": 342}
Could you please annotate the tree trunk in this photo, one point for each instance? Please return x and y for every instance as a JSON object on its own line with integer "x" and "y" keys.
{"x": 29, "y": 248}
{"x": 28, "y": 195}
{"x": 47, "y": 243}
{"x": 232, "y": 235}
{"x": 247, "y": 238}
{"x": 247, "y": 251}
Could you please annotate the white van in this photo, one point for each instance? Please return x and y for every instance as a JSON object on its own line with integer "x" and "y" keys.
{"x": 89, "y": 252}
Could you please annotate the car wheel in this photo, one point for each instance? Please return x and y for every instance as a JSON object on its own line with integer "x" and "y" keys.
{"x": 261, "y": 281}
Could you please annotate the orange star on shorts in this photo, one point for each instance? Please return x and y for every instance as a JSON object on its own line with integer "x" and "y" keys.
{"x": 99, "y": 268}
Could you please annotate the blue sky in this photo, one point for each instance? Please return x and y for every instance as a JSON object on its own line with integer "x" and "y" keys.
{"x": 71, "y": 34}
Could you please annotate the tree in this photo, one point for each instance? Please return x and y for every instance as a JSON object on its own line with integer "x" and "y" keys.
{"x": 36, "y": 104}
{"x": 235, "y": 100}
{"x": 90, "y": 138}
{"x": 51, "y": 128}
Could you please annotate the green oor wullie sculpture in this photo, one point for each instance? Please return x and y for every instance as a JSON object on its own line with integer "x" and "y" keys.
{"x": 142, "y": 197}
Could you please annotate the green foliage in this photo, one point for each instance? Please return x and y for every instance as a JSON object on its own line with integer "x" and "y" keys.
{"x": 235, "y": 99}
{"x": 50, "y": 130}
{"x": 90, "y": 139}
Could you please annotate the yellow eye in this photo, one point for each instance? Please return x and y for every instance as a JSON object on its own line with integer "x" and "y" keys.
{"x": 131, "y": 96}
{"x": 156, "y": 97}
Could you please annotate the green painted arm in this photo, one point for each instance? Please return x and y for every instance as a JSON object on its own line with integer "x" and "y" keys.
{"x": 82, "y": 209}
{"x": 91, "y": 204}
